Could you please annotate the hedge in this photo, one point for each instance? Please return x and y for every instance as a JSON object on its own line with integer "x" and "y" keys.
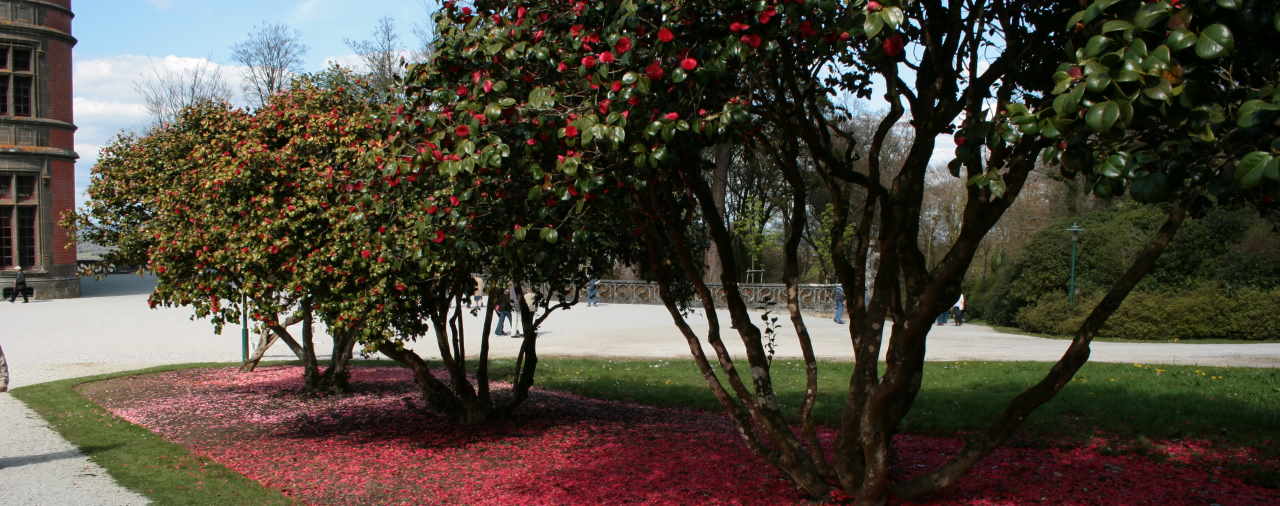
{"x": 1206, "y": 311}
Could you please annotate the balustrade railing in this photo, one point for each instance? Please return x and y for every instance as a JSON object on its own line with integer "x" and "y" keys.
{"x": 812, "y": 297}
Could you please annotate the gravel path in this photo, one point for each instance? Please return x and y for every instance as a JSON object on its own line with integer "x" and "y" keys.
{"x": 111, "y": 329}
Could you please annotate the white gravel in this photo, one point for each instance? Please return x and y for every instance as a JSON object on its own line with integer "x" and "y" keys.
{"x": 111, "y": 329}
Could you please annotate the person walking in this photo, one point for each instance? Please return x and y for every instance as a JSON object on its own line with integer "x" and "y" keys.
{"x": 19, "y": 287}
{"x": 960, "y": 311}
{"x": 839, "y": 295}
{"x": 502, "y": 305}
{"x": 593, "y": 293}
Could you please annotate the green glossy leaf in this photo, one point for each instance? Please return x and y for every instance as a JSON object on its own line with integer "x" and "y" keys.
{"x": 507, "y": 102}
{"x": 1064, "y": 105}
{"x": 1250, "y": 170}
{"x": 1161, "y": 92}
{"x": 1116, "y": 25}
{"x": 1096, "y": 83}
{"x": 873, "y": 24}
{"x": 1096, "y": 45}
{"x": 550, "y": 235}
{"x": 1102, "y": 116}
{"x": 1248, "y": 113}
{"x": 1150, "y": 14}
{"x": 1215, "y": 41}
{"x": 1127, "y": 76}
{"x": 1158, "y": 60}
{"x": 1229, "y": 4}
{"x": 1180, "y": 39}
{"x": 679, "y": 75}
{"x": 1049, "y": 128}
{"x": 893, "y": 16}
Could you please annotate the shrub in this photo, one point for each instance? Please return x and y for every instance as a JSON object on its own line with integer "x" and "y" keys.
{"x": 1204, "y": 311}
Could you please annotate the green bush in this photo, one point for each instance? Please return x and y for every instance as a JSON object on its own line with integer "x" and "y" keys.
{"x": 1205, "y": 311}
{"x": 1234, "y": 248}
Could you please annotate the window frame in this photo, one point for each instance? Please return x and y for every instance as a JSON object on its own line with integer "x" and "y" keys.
{"x": 14, "y": 210}
{"x": 11, "y": 78}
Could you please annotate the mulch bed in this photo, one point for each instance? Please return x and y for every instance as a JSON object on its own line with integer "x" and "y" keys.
{"x": 379, "y": 446}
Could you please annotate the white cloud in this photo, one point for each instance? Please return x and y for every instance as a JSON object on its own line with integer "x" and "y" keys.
{"x": 107, "y": 101}
{"x": 351, "y": 61}
{"x": 306, "y": 9}
{"x": 90, "y": 110}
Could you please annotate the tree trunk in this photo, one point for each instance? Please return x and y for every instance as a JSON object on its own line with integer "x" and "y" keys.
{"x": 266, "y": 339}
{"x": 719, "y": 188}
{"x": 1072, "y": 360}
{"x": 4, "y": 372}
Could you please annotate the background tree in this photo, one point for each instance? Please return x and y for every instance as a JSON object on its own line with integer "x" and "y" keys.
{"x": 271, "y": 55}
{"x": 167, "y": 93}
{"x": 382, "y": 54}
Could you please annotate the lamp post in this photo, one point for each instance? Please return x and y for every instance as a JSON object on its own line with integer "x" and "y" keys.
{"x": 1075, "y": 246}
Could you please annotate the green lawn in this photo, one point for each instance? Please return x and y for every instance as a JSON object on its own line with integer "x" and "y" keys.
{"x": 136, "y": 458}
{"x": 1238, "y": 405}
{"x": 1231, "y": 405}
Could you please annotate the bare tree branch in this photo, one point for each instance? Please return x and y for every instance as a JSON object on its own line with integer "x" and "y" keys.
{"x": 167, "y": 93}
{"x": 381, "y": 54}
{"x": 271, "y": 54}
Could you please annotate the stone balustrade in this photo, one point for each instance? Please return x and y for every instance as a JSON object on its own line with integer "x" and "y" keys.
{"x": 812, "y": 297}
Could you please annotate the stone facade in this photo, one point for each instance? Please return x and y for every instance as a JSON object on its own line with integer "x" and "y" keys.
{"x": 37, "y": 146}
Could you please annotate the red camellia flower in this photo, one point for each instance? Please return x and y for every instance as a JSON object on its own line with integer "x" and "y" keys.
{"x": 767, "y": 15}
{"x": 589, "y": 61}
{"x": 893, "y": 45}
{"x": 752, "y": 40}
{"x": 570, "y": 131}
{"x": 654, "y": 71}
{"x": 462, "y": 131}
{"x": 616, "y": 86}
{"x": 665, "y": 35}
{"x": 806, "y": 29}
{"x": 606, "y": 57}
{"x": 688, "y": 64}
{"x": 433, "y": 209}
{"x": 531, "y": 142}
{"x": 561, "y": 67}
{"x": 488, "y": 85}
{"x": 873, "y": 6}
{"x": 623, "y": 45}
{"x": 462, "y": 91}
{"x": 453, "y": 201}
{"x": 366, "y": 253}
{"x": 1075, "y": 72}
{"x": 738, "y": 27}
{"x": 439, "y": 238}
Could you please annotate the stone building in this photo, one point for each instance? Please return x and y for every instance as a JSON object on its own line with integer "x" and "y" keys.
{"x": 37, "y": 150}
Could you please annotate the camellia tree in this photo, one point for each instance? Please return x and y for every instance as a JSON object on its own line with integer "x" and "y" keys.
{"x": 250, "y": 244}
{"x": 632, "y": 94}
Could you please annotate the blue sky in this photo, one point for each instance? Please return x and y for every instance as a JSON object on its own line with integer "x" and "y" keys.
{"x": 123, "y": 42}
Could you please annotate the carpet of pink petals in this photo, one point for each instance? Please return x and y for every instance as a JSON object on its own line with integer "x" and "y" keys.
{"x": 378, "y": 446}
